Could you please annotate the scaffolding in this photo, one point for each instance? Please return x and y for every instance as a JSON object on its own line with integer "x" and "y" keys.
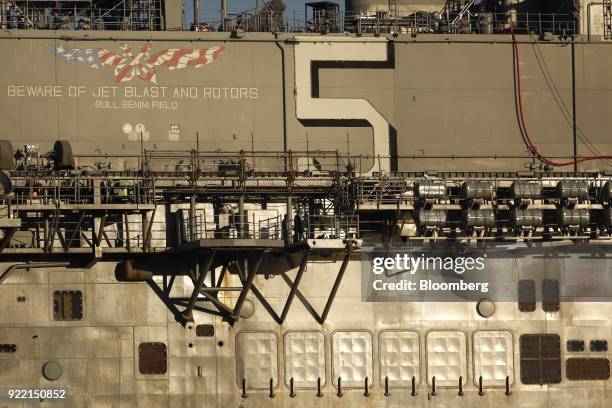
{"x": 126, "y": 15}
{"x": 191, "y": 214}
{"x": 271, "y": 16}
{"x": 135, "y": 211}
{"x": 322, "y": 16}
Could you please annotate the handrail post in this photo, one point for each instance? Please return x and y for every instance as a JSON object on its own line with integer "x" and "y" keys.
{"x": 244, "y": 393}
{"x": 291, "y": 390}
{"x": 271, "y": 393}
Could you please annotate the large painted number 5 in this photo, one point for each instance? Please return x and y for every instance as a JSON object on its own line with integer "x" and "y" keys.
{"x": 313, "y": 53}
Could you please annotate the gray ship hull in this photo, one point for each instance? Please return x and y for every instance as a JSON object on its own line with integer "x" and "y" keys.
{"x": 425, "y": 99}
{"x": 100, "y": 358}
{"x": 435, "y": 102}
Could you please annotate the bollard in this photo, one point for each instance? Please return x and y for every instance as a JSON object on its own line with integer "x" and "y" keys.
{"x": 387, "y": 393}
{"x": 244, "y": 394}
{"x": 291, "y": 391}
{"x": 339, "y": 393}
{"x": 413, "y": 393}
{"x": 460, "y": 393}
{"x": 271, "y": 394}
{"x": 366, "y": 393}
{"x": 480, "y": 391}
{"x": 319, "y": 394}
{"x": 508, "y": 386}
{"x": 433, "y": 386}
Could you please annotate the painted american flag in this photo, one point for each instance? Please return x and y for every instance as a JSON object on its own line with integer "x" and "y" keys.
{"x": 137, "y": 63}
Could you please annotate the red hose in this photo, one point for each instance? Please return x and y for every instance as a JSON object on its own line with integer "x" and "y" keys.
{"x": 528, "y": 141}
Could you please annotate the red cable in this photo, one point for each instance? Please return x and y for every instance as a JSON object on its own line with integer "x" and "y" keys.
{"x": 528, "y": 141}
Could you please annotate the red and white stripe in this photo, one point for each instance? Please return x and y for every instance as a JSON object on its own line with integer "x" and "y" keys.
{"x": 178, "y": 58}
{"x": 128, "y": 72}
{"x": 108, "y": 57}
{"x": 143, "y": 66}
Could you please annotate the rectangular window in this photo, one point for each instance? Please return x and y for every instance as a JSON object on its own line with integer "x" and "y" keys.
{"x": 540, "y": 359}
{"x": 526, "y": 295}
{"x": 67, "y": 305}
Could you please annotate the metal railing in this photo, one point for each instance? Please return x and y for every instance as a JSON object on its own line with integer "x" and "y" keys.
{"x": 270, "y": 228}
{"x": 5, "y": 212}
{"x": 466, "y": 23}
{"x": 149, "y": 17}
{"x": 168, "y": 174}
{"x": 333, "y": 226}
{"x": 136, "y": 16}
{"x": 416, "y": 23}
{"x": 236, "y": 163}
{"x": 315, "y": 227}
{"x": 107, "y": 206}
{"x": 202, "y": 227}
{"x": 231, "y": 165}
{"x": 67, "y": 233}
{"x": 68, "y": 189}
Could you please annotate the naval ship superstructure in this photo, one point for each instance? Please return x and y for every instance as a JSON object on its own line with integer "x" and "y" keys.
{"x": 194, "y": 217}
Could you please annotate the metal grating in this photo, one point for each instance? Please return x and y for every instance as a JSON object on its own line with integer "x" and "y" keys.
{"x": 526, "y": 295}
{"x": 8, "y": 348}
{"x": 540, "y": 358}
{"x": 152, "y": 358}
{"x": 575, "y": 345}
{"x": 67, "y": 305}
{"x": 205, "y": 330}
{"x": 588, "y": 369}
{"x": 599, "y": 345}
{"x": 550, "y": 295}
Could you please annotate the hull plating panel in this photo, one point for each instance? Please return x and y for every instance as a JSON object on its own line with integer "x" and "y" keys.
{"x": 399, "y": 357}
{"x": 258, "y": 362}
{"x": 493, "y": 357}
{"x": 352, "y": 358}
{"x": 99, "y": 354}
{"x": 304, "y": 358}
{"x": 446, "y": 357}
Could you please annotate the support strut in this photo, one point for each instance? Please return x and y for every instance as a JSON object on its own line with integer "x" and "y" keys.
{"x": 330, "y": 300}
{"x": 292, "y": 293}
{"x": 202, "y": 266}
